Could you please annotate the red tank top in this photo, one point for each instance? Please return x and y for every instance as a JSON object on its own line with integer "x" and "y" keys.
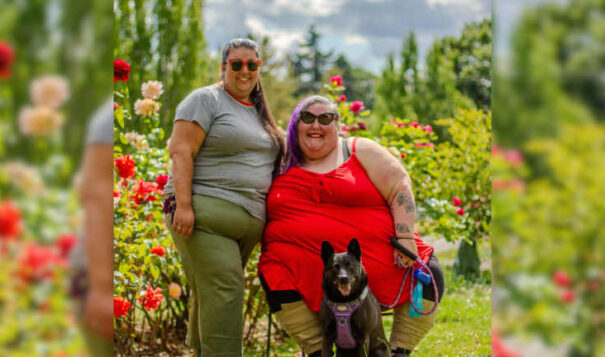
{"x": 305, "y": 208}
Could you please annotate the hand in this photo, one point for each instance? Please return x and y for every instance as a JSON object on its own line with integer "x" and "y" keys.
{"x": 183, "y": 221}
{"x": 400, "y": 259}
{"x": 98, "y": 313}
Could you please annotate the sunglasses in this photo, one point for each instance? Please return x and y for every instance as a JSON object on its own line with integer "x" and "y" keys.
{"x": 323, "y": 118}
{"x": 252, "y": 65}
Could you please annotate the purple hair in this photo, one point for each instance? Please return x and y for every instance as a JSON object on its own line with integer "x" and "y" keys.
{"x": 294, "y": 154}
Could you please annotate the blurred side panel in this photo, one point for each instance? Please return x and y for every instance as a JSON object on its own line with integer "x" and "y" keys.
{"x": 548, "y": 170}
{"x": 55, "y": 71}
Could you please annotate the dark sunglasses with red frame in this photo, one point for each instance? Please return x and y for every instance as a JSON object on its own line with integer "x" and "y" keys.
{"x": 252, "y": 65}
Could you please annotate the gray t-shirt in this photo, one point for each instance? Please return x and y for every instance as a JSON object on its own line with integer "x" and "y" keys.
{"x": 237, "y": 157}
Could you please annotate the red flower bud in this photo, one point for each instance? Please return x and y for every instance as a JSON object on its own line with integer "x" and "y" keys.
{"x": 456, "y": 201}
{"x": 561, "y": 278}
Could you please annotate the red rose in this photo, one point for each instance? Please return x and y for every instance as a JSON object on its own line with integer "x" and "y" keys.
{"x": 402, "y": 155}
{"x": 161, "y": 181}
{"x": 460, "y": 211}
{"x": 337, "y": 79}
{"x": 120, "y": 306}
{"x": 37, "y": 262}
{"x": 561, "y": 278}
{"x": 362, "y": 126}
{"x": 7, "y": 57}
{"x": 414, "y": 124}
{"x": 152, "y": 298}
{"x": 357, "y": 106}
{"x": 143, "y": 192}
{"x": 568, "y": 296}
{"x": 158, "y": 250}
{"x": 11, "y": 225}
{"x": 342, "y": 98}
{"x": 456, "y": 201}
{"x": 65, "y": 243}
{"x": 121, "y": 70}
{"x": 125, "y": 166}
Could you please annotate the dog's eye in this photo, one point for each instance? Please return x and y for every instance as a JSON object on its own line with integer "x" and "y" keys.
{"x": 337, "y": 266}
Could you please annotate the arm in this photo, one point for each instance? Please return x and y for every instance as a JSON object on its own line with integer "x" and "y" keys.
{"x": 185, "y": 142}
{"x": 96, "y": 198}
{"x": 394, "y": 184}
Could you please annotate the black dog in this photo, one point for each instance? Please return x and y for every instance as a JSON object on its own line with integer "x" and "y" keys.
{"x": 349, "y": 313}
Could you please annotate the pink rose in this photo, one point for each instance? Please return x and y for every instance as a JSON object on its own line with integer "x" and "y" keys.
{"x": 337, "y": 79}
{"x": 342, "y": 98}
{"x": 357, "y": 106}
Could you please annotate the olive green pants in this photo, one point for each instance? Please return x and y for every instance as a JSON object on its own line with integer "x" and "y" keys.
{"x": 213, "y": 258}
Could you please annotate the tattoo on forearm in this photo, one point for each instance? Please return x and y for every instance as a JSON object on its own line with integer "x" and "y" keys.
{"x": 408, "y": 201}
{"x": 402, "y": 228}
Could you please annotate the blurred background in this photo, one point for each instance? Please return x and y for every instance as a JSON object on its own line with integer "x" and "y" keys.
{"x": 548, "y": 162}
{"x": 55, "y": 71}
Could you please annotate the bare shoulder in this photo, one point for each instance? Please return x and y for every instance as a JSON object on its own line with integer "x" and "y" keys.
{"x": 369, "y": 151}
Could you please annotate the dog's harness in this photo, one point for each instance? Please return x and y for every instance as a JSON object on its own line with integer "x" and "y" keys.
{"x": 342, "y": 313}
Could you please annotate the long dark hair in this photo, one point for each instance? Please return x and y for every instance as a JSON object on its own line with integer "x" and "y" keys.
{"x": 260, "y": 102}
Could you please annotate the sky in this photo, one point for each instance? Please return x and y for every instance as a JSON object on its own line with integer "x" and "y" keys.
{"x": 366, "y": 31}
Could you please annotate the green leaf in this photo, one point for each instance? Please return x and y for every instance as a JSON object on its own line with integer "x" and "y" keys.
{"x": 119, "y": 116}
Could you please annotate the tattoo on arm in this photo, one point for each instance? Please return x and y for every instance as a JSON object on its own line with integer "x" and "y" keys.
{"x": 403, "y": 199}
{"x": 402, "y": 228}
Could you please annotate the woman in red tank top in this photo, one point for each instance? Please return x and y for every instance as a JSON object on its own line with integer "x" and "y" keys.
{"x": 335, "y": 189}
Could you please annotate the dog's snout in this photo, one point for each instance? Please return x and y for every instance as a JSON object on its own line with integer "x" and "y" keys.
{"x": 343, "y": 278}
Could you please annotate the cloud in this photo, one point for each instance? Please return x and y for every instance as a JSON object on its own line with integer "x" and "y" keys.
{"x": 283, "y": 41}
{"x": 364, "y": 30}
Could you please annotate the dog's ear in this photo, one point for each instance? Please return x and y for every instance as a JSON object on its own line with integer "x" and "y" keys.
{"x": 354, "y": 249}
{"x": 326, "y": 251}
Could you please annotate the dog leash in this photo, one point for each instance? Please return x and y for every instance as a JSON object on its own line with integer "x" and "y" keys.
{"x": 409, "y": 271}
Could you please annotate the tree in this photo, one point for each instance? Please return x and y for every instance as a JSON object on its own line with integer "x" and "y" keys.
{"x": 161, "y": 41}
{"x": 309, "y": 63}
{"x": 359, "y": 83}
{"x": 278, "y": 91}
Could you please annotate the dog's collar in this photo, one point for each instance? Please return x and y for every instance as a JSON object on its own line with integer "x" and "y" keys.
{"x": 342, "y": 313}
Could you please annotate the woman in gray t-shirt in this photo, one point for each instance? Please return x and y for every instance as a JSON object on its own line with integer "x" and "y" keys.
{"x": 225, "y": 147}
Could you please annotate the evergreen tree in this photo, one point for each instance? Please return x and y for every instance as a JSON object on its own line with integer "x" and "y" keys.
{"x": 309, "y": 63}
{"x": 359, "y": 83}
{"x": 278, "y": 91}
{"x": 162, "y": 41}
